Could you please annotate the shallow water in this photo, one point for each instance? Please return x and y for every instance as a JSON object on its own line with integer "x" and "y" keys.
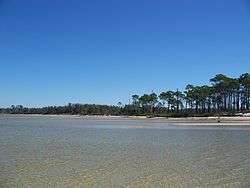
{"x": 43, "y": 151}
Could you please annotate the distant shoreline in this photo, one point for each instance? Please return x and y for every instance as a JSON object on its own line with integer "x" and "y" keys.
{"x": 183, "y": 121}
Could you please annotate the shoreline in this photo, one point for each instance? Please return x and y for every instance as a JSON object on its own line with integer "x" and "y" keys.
{"x": 181, "y": 121}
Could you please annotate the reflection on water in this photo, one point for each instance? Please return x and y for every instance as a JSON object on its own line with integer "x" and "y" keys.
{"x": 72, "y": 152}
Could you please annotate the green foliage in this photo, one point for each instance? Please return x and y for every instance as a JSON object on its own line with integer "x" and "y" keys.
{"x": 225, "y": 95}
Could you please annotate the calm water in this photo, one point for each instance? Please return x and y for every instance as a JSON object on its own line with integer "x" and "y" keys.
{"x": 72, "y": 152}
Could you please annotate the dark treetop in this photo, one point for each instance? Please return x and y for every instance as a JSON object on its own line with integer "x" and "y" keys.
{"x": 224, "y": 96}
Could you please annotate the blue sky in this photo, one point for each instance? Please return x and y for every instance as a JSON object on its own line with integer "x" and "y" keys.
{"x": 95, "y": 51}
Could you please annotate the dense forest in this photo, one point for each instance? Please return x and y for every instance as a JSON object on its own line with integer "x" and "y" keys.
{"x": 223, "y": 96}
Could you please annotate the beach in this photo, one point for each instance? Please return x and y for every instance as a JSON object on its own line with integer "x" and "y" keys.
{"x": 182, "y": 121}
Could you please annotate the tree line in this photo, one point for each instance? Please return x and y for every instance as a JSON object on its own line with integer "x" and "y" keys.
{"x": 224, "y": 95}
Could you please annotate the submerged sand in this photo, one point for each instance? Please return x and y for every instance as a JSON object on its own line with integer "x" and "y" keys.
{"x": 135, "y": 152}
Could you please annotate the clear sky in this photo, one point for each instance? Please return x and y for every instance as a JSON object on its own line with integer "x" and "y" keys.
{"x": 102, "y": 51}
